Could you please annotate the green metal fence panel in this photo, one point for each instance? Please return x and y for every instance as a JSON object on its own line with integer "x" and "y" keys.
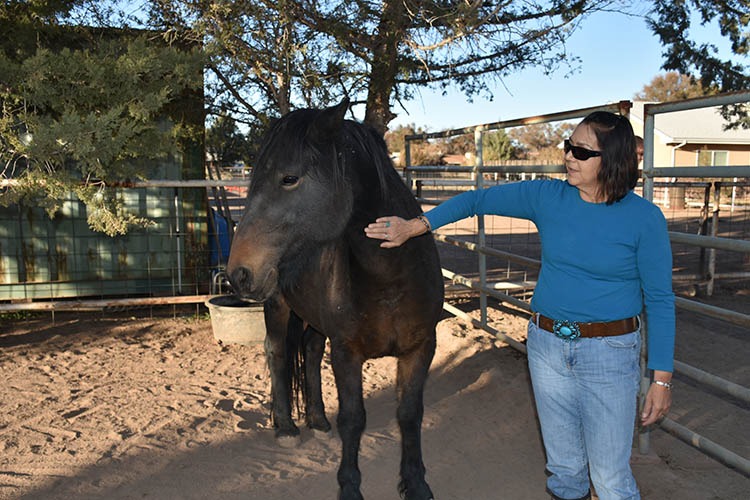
{"x": 42, "y": 257}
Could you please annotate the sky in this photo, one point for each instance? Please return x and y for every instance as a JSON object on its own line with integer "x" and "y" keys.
{"x": 619, "y": 55}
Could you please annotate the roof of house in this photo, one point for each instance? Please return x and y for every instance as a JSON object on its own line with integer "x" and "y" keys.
{"x": 453, "y": 159}
{"x": 703, "y": 126}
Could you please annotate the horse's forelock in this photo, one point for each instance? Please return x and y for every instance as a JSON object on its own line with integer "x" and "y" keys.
{"x": 289, "y": 140}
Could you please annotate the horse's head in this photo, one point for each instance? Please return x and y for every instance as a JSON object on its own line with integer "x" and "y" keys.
{"x": 299, "y": 197}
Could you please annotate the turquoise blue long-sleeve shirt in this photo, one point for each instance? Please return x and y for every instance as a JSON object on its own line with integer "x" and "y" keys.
{"x": 599, "y": 262}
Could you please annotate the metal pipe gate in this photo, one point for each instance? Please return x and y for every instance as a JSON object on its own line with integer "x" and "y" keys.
{"x": 731, "y": 389}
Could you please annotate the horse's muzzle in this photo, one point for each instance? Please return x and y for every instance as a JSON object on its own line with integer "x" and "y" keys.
{"x": 247, "y": 286}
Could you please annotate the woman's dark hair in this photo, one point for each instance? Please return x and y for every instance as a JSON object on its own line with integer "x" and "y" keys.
{"x": 618, "y": 173}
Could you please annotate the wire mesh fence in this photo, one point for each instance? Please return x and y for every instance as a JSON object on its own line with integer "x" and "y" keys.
{"x": 178, "y": 253}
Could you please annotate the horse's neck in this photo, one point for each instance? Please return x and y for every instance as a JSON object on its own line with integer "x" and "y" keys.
{"x": 366, "y": 257}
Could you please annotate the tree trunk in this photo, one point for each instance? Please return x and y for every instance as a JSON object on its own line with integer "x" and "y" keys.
{"x": 384, "y": 68}
{"x": 284, "y": 78}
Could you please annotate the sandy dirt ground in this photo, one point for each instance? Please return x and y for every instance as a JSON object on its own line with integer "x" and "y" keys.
{"x": 117, "y": 406}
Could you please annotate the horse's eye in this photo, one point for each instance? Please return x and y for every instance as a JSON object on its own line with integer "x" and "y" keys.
{"x": 290, "y": 180}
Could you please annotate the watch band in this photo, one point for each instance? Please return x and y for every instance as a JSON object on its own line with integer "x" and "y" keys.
{"x": 668, "y": 385}
{"x": 424, "y": 221}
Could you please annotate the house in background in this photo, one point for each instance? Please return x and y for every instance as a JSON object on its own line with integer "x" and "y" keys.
{"x": 693, "y": 137}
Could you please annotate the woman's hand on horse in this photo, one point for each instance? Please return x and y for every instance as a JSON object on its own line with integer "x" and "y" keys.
{"x": 394, "y": 230}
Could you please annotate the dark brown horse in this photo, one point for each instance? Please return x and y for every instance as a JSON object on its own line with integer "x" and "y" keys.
{"x": 300, "y": 248}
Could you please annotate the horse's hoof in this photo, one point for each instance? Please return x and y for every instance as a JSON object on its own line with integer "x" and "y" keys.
{"x": 322, "y": 435}
{"x": 318, "y": 424}
{"x": 417, "y": 492}
{"x": 288, "y": 441}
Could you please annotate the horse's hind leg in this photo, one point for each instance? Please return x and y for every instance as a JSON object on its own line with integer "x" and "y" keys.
{"x": 351, "y": 419}
{"x": 412, "y": 374}
{"x": 315, "y": 414}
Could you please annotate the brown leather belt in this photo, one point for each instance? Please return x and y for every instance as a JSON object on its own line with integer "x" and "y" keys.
{"x": 569, "y": 329}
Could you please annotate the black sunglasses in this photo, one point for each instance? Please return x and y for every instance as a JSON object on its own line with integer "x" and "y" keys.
{"x": 579, "y": 153}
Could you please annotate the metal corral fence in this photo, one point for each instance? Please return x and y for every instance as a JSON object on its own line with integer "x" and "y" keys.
{"x": 181, "y": 257}
{"x": 691, "y": 202}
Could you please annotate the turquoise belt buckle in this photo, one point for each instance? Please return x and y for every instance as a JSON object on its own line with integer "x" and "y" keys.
{"x": 566, "y": 330}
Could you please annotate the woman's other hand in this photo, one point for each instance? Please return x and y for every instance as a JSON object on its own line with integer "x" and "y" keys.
{"x": 658, "y": 400}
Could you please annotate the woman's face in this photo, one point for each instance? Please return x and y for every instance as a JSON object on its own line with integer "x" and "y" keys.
{"x": 582, "y": 173}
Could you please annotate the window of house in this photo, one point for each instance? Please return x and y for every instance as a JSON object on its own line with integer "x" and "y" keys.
{"x": 708, "y": 158}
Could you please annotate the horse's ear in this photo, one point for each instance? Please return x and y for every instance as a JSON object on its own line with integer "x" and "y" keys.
{"x": 329, "y": 121}
{"x": 340, "y": 109}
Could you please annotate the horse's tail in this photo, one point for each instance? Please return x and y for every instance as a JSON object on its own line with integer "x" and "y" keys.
{"x": 295, "y": 367}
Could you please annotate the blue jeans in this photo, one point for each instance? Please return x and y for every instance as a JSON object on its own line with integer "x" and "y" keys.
{"x": 585, "y": 392}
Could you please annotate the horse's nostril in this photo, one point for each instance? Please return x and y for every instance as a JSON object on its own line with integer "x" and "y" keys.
{"x": 241, "y": 279}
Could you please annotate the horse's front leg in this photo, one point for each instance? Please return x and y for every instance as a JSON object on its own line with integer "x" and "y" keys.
{"x": 412, "y": 374}
{"x": 279, "y": 321}
{"x": 347, "y": 369}
{"x": 315, "y": 414}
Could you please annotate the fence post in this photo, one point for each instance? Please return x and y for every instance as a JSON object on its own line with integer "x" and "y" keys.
{"x": 648, "y": 154}
{"x": 478, "y": 164}
{"x": 714, "y": 232}
{"x": 407, "y": 162}
{"x": 648, "y": 193}
{"x": 179, "y": 240}
{"x": 703, "y": 231}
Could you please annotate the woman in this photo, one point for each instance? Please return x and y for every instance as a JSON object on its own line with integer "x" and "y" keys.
{"x": 605, "y": 255}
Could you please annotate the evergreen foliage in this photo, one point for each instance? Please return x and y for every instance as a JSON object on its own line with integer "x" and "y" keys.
{"x": 497, "y": 146}
{"x": 82, "y": 109}
{"x": 225, "y": 144}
